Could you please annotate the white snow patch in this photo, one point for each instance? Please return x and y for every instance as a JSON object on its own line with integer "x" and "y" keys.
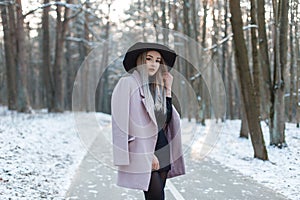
{"x": 281, "y": 173}
{"x": 39, "y": 154}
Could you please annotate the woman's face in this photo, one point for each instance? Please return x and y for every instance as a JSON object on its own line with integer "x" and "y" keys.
{"x": 153, "y": 60}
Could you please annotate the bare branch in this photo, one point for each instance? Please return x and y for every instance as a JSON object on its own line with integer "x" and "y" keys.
{"x": 74, "y": 7}
{"x": 219, "y": 44}
{"x": 82, "y": 40}
{"x": 228, "y": 37}
{"x": 75, "y": 15}
{"x": 70, "y": 6}
{"x": 93, "y": 33}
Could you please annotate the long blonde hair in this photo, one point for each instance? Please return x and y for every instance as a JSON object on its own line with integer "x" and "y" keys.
{"x": 159, "y": 101}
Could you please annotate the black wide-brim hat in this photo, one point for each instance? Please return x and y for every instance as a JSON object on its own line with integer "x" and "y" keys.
{"x": 134, "y": 51}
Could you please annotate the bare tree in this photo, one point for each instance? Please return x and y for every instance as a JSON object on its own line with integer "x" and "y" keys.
{"x": 23, "y": 98}
{"x": 277, "y": 113}
{"x": 61, "y": 29}
{"x": 47, "y": 72}
{"x": 9, "y": 29}
{"x": 203, "y": 95}
{"x": 256, "y": 73}
{"x": 225, "y": 67}
{"x": 298, "y": 68}
{"x": 265, "y": 66}
{"x": 102, "y": 92}
{"x": 247, "y": 88}
{"x": 164, "y": 22}
{"x": 292, "y": 98}
{"x": 196, "y": 82}
{"x": 186, "y": 68}
{"x": 10, "y": 45}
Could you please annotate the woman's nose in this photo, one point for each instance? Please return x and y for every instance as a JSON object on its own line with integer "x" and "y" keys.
{"x": 154, "y": 64}
{"x": 151, "y": 62}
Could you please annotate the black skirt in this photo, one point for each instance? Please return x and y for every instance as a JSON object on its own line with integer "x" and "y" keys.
{"x": 162, "y": 151}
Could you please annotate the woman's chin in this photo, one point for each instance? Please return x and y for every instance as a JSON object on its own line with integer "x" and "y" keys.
{"x": 151, "y": 73}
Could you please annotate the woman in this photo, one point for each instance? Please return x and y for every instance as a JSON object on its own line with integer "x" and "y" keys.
{"x": 145, "y": 125}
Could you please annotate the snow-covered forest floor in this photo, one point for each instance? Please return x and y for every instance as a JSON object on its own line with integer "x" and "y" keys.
{"x": 281, "y": 173}
{"x": 39, "y": 154}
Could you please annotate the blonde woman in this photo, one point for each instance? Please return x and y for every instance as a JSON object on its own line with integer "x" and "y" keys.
{"x": 145, "y": 125}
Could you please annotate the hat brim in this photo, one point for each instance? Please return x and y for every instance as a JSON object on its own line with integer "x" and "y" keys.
{"x": 133, "y": 52}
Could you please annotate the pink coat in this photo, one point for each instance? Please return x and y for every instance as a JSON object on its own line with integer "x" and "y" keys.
{"x": 134, "y": 134}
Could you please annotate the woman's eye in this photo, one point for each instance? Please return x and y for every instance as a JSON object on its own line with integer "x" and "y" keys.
{"x": 158, "y": 61}
{"x": 148, "y": 59}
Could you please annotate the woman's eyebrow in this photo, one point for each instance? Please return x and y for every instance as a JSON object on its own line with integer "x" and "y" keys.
{"x": 152, "y": 56}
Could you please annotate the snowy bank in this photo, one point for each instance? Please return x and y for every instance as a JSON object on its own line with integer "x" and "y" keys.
{"x": 39, "y": 154}
{"x": 281, "y": 173}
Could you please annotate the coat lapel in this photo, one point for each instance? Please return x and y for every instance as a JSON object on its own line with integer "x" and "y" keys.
{"x": 137, "y": 77}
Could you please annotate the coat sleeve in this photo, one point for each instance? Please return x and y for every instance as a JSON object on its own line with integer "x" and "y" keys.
{"x": 120, "y": 103}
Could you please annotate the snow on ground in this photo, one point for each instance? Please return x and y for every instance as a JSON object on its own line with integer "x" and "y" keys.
{"x": 39, "y": 154}
{"x": 281, "y": 173}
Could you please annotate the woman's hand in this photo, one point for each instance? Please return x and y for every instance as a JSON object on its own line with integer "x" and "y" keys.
{"x": 168, "y": 79}
{"x": 155, "y": 163}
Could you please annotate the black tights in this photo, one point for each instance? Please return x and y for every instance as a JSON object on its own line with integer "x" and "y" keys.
{"x": 156, "y": 186}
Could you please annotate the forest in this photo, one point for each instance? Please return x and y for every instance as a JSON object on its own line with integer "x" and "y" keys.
{"x": 237, "y": 59}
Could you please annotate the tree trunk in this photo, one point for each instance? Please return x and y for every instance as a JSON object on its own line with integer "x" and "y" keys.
{"x": 247, "y": 88}
{"x": 292, "y": 68}
{"x": 69, "y": 80}
{"x": 225, "y": 53}
{"x": 185, "y": 67}
{"x": 265, "y": 66}
{"x": 196, "y": 38}
{"x": 202, "y": 84}
{"x": 9, "y": 58}
{"x": 102, "y": 91}
{"x": 298, "y": 71}
{"x": 277, "y": 123}
{"x": 154, "y": 16}
{"x": 230, "y": 88}
{"x": 47, "y": 74}
{"x": 244, "y": 132}
{"x": 215, "y": 52}
{"x": 298, "y": 83}
{"x": 256, "y": 73}
{"x": 86, "y": 48}
{"x": 61, "y": 28}
{"x": 58, "y": 62}
{"x": 23, "y": 98}
{"x": 177, "y": 85}
{"x": 164, "y": 22}
{"x": 84, "y": 51}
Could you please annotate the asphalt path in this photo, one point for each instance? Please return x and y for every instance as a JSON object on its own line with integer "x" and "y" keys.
{"x": 205, "y": 179}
